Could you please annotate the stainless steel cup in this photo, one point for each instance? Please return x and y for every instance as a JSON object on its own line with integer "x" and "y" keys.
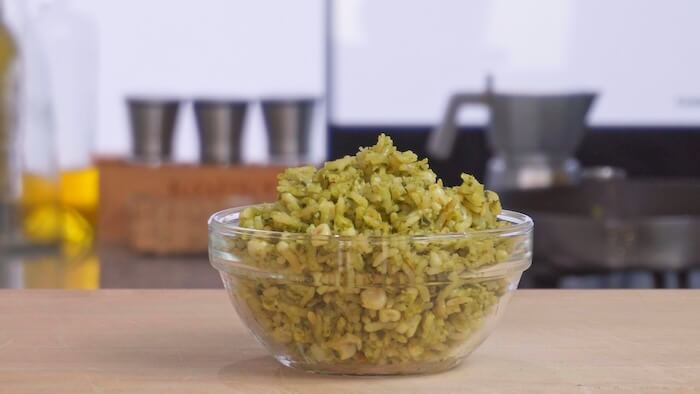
{"x": 220, "y": 125}
{"x": 152, "y": 128}
{"x": 288, "y": 123}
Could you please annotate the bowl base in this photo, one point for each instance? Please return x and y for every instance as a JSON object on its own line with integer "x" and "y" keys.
{"x": 363, "y": 369}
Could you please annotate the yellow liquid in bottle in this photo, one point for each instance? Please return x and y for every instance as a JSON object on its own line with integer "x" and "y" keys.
{"x": 79, "y": 196}
{"x": 66, "y": 210}
{"x": 69, "y": 210}
{"x": 41, "y": 219}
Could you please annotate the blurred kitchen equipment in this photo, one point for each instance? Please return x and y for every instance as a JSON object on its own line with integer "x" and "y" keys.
{"x": 288, "y": 123}
{"x": 152, "y": 129}
{"x": 29, "y": 216}
{"x": 603, "y": 173}
{"x": 533, "y": 137}
{"x": 220, "y": 125}
{"x": 68, "y": 41}
{"x": 614, "y": 225}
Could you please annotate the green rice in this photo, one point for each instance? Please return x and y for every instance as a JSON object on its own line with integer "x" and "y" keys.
{"x": 357, "y": 289}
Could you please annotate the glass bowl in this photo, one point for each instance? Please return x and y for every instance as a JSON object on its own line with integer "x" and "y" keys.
{"x": 360, "y": 305}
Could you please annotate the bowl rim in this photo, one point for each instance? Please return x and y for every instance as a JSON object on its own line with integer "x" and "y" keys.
{"x": 220, "y": 223}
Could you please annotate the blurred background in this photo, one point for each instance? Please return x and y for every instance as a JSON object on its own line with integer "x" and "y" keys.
{"x": 125, "y": 124}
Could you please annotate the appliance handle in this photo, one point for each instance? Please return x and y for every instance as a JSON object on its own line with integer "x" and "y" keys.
{"x": 442, "y": 138}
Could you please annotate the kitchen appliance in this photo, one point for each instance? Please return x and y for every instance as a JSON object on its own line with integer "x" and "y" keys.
{"x": 614, "y": 225}
{"x": 152, "y": 128}
{"x": 288, "y": 123}
{"x": 533, "y": 137}
{"x": 220, "y": 125}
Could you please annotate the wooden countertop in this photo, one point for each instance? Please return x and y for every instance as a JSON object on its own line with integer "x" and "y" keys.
{"x": 191, "y": 341}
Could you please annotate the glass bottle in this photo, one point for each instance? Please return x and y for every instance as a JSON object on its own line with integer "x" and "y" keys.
{"x": 29, "y": 216}
{"x": 69, "y": 42}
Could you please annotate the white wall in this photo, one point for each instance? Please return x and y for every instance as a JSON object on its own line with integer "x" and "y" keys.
{"x": 398, "y": 60}
{"x": 209, "y": 48}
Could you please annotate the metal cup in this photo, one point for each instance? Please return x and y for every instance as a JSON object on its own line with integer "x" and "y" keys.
{"x": 152, "y": 128}
{"x": 288, "y": 123}
{"x": 220, "y": 125}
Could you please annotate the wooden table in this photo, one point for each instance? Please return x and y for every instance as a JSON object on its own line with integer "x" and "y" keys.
{"x": 190, "y": 341}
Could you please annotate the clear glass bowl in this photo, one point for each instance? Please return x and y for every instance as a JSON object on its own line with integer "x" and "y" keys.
{"x": 363, "y": 305}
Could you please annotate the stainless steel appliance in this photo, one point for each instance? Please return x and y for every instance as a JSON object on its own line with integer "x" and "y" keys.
{"x": 532, "y": 137}
{"x": 614, "y": 225}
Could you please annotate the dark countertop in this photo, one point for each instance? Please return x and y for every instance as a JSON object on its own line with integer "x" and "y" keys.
{"x": 108, "y": 267}
{"x": 113, "y": 267}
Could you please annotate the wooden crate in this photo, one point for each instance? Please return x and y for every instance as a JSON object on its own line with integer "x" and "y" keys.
{"x": 163, "y": 226}
{"x": 164, "y": 209}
